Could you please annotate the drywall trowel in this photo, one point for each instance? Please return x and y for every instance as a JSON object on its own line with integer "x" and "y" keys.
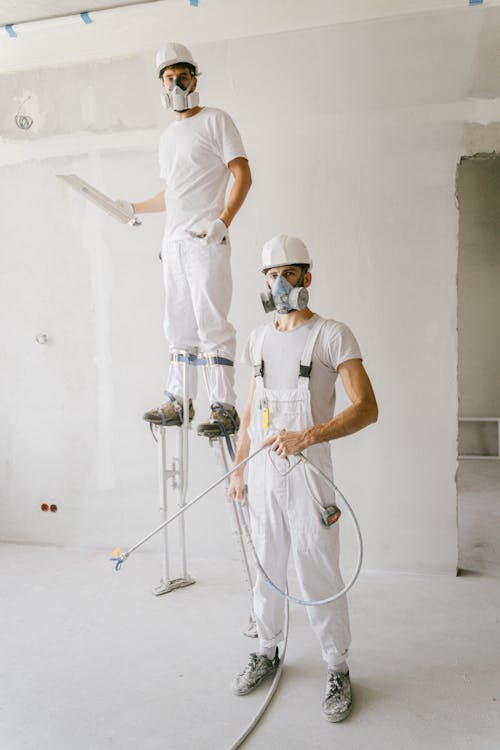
{"x": 116, "y": 209}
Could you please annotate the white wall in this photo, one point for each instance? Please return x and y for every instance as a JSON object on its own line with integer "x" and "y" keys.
{"x": 354, "y": 133}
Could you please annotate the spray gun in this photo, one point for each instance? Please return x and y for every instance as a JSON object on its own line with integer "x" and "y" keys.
{"x": 330, "y": 515}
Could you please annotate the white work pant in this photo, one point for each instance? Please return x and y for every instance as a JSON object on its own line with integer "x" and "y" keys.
{"x": 198, "y": 289}
{"x": 283, "y": 516}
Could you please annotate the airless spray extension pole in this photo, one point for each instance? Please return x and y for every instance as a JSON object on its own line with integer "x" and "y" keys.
{"x": 120, "y": 557}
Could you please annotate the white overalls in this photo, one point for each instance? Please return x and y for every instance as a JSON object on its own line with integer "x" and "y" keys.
{"x": 194, "y": 156}
{"x": 198, "y": 296}
{"x": 284, "y": 515}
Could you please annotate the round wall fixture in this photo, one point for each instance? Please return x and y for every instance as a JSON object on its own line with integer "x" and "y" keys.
{"x": 24, "y": 122}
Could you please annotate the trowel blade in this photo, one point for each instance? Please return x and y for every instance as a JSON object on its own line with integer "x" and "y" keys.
{"x": 97, "y": 198}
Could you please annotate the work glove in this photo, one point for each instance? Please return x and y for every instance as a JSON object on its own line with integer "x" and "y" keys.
{"x": 216, "y": 232}
{"x": 129, "y": 216}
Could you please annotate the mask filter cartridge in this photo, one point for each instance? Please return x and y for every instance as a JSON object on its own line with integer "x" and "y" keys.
{"x": 179, "y": 97}
{"x": 283, "y": 297}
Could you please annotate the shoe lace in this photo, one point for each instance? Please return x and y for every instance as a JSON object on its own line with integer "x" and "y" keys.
{"x": 177, "y": 406}
{"x": 252, "y": 663}
{"x": 335, "y": 685}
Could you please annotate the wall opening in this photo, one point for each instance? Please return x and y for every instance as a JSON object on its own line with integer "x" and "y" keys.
{"x": 478, "y": 194}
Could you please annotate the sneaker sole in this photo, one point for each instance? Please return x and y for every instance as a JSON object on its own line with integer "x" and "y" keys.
{"x": 214, "y": 431}
{"x": 338, "y": 717}
{"x": 165, "y": 423}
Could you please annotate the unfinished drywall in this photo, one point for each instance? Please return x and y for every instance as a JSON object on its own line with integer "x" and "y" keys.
{"x": 353, "y": 145}
{"x": 126, "y": 31}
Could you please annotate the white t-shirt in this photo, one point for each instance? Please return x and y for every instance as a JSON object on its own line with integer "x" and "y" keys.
{"x": 282, "y": 351}
{"x": 194, "y": 154}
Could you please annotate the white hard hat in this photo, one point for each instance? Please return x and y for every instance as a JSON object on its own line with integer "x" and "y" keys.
{"x": 173, "y": 53}
{"x": 284, "y": 250}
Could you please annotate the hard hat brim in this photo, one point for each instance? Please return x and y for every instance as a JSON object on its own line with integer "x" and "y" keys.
{"x": 264, "y": 269}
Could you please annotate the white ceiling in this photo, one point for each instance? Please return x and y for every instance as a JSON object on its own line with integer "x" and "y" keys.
{"x": 50, "y": 33}
{"x": 14, "y": 12}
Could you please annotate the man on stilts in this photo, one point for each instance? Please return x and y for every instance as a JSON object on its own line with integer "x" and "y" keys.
{"x": 199, "y": 152}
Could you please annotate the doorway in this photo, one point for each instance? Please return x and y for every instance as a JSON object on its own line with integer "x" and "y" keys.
{"x": 478, "y": 479}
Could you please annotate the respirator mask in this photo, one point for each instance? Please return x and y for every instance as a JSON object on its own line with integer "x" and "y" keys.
{"x": 284, "y": 298}
{"x": 178, "y": 97}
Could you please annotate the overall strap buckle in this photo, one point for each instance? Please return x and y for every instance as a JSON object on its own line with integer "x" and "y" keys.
{"x": 258, "y": 370}
{"x": 305, "y": 371}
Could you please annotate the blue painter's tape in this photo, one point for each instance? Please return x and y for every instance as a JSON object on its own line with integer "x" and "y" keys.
{"x": 85, "y": 17}
{"x": 10, "y": 30}
{"x": 194, "y": 3}
{"x": 475, "y": 2}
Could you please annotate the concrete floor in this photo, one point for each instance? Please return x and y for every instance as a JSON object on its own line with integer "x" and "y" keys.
{"x": 91, "y": 660}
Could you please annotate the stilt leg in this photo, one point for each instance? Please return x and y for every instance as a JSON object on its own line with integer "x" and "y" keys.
{"x": 178, "y": 474}
{"x": 251, "y": 630}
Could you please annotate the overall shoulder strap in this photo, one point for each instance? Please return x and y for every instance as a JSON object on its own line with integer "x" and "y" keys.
{"x": 258, "y": 362}
{"x": 306, "y": 358}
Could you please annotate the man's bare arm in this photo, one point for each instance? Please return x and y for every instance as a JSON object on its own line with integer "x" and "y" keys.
{"x": 151, "y": 205}
{"x": 236, "y": 489}
{"x": 362, "y": 412}
{"x": 242, "y": 181}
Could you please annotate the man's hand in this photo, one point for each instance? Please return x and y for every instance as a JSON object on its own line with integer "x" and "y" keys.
{"x": 236, "y": 489}
{"x": 216, "y": 232}
{"x": 128, "y": 210}
{"x": 286, "y": 443}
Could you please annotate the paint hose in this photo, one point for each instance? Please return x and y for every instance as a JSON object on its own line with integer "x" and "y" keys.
{"x": 316, "y": 602}
{"x": 288, "y": 597}
{"x": 270, "y": 693}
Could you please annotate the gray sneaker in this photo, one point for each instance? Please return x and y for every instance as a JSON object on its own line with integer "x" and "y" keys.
{"x": 258, "y": 668}
{"x": 337, "y": 703}
{"x": 222, "y": 421}
{"x": 169, "y": 413}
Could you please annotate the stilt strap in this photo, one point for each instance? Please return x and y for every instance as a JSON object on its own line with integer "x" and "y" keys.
{"x": 176, "y": 405}
{"x": 200, "y": 359}
{"x": 185, "y": 357}
{"x": 222, "y": 427}
{"x": 213, "y": 359}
